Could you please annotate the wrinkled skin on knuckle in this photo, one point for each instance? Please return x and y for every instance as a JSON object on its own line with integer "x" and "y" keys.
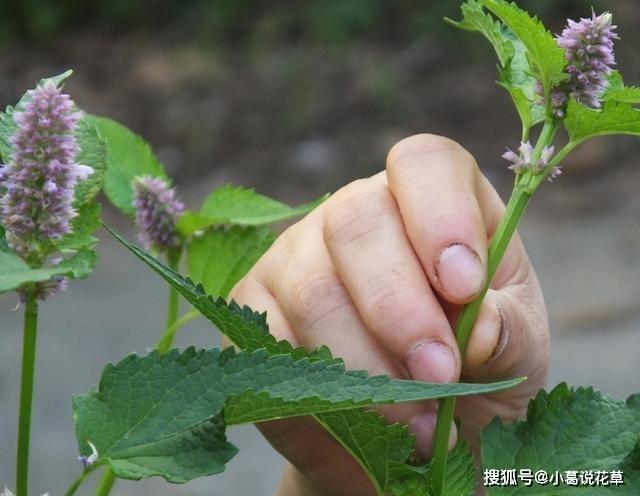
{"x": 355, "y": 215}
{"x": 315, "y": 297}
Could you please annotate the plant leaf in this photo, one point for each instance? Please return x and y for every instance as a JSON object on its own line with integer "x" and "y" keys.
{"x": 241, "y": 206}
{"x": 128, "y": 156}
{"x": 617, "y": 91}
{"x": 615, "y": 118}
{"x": 165, "y": 414}
{"x": 515, "y": 72}
{"x": 93, "y": 152}
{"x": 249, "y": 331}
{"x": 244, "y": 327}
{"x": 83, "y": 227}
{"x": 568, "y": 429}
{"x": 386, "y": 451}
{"x": 546, "y": 58}
{"x": 220, "y": 257}
{"x": 14, "y": 272}
{"x": 460, "y": 476}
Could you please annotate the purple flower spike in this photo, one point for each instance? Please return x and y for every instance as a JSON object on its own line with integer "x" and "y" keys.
{"x": 157, "y": 211}
{"x": 588, "y": 46}
{"x": 37, "y": 186}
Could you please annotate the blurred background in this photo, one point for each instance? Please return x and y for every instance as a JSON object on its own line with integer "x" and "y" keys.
{"x": 296, "y": 99}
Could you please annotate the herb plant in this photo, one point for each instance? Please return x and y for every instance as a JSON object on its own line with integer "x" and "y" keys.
{"x": 166, "y": 414}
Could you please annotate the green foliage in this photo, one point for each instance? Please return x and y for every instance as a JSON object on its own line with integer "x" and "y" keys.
{"x": 240, "y": 206}
{"x": 383, "y": 450}
{"x": 615, "y": 118}
{"x": 14, "y": 272}
{"x": 460, "y": 476}
{"x": 220, "y": 257}
{"x": 93, "y": 152}
{"x": 545, "y": 56}
{"x": 569, "y": 429}
{"x": 83, "y": 226}
{"x": 128, "y": 156}
{"x": 166, "y": 414}
{"x": 515, "y": 71}
{"x": 385, "y": 458}
{"x": 618, "y": 92}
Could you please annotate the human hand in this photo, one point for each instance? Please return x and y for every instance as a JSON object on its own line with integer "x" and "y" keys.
{"x": 378, "y": 273}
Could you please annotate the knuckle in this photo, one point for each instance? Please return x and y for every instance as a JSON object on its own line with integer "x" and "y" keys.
{"x": 357, "y": 215}
{"x": 315, "y": 297}
{"x": 396, "y": 310}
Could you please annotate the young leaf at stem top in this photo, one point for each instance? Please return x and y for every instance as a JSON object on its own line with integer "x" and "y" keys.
{"x": 546, "y": 58}
{"x": 515, "y": 72}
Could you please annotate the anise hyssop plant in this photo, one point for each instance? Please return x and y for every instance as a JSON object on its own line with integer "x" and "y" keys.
{"x": 166, "y": 414}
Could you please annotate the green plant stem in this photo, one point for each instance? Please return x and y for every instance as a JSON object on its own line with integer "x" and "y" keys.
{"x": 166, "y": 341}
{"x": 26, "y": 393}
{"x": 76, "y": 483}
{"x": 106, "y": 483}
{"x": 170, "y": 332}
{"x": 508, "y": 224}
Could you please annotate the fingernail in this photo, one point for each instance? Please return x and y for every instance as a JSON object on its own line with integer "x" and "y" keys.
{"x": 424, "y": 427}
{"x": 460, "y": 272}
{"x": 432, "y": 361}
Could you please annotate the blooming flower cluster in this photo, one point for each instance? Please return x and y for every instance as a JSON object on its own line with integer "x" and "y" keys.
{"x": 37, "y": 186}
{"x": 588, "y": 46}
{"x": 523, "y": 160}
{"x": 157, "y": 211}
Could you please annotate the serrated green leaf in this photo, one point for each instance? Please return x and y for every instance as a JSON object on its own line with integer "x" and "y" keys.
{"x": 244, "y": 327}
{"x": 615, "y": 118}
{"x": 546, "y": 58}
{"x": 617, "y": 91}
{"x": 514, "y": 69}
{"x": 386, "y": 448}
{"x": 220, "y": 257}
{"x": 241, "y": 206}
{"x": 83, "y": 227}
{"x": 460, "y": 476}
{"x": 14, "y": 272}
{"x": 249, "y": 331}
{"x": 128, "y": 156}
{"x": 568, "y": 429}
{"x": 165, "y": 414}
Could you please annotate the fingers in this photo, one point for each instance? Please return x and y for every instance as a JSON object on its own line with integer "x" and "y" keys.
{"x": 365, "y": 238}
{"x": 507, "y": 340}
{"x": 314, "y": 300}
{"x": 434, "y": 181}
